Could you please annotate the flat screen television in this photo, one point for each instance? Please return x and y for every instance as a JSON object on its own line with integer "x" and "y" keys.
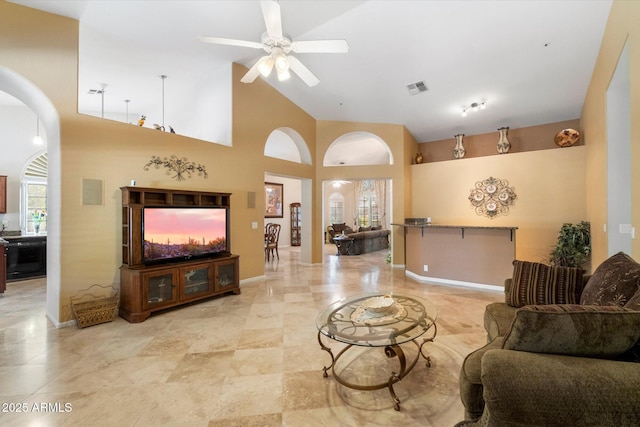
{"x": 178, "y": 234}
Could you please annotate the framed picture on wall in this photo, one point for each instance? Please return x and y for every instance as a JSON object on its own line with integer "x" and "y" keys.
{"x": 273, "y": 200}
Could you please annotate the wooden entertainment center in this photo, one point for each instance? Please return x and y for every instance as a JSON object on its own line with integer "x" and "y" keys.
{"x": 148, "y": 288}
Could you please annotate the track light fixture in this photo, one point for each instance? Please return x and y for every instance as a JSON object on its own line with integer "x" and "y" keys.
{"x": 474, "y": 106}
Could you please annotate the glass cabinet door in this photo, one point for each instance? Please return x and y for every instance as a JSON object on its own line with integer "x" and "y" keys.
{"x": 296, "y": 224}
{"x": 159, "y": 288}
{"x": 197, "y": 280}
{"x": 226, "y": 275}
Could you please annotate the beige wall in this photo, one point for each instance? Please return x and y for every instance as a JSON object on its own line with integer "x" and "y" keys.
{"x": 622, "y": 27}
{"x": 549, "y": 185}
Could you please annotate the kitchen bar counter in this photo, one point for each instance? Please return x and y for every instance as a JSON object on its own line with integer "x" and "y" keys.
{"x": 459, "y": 254}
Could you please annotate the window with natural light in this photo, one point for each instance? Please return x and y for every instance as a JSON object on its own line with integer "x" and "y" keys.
{"x": 336, "y": 209}
{"x": 34, "y": 213}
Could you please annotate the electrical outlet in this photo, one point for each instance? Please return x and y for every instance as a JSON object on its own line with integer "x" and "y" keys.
{"x": 254, "y": 225}
{"x": 426, "y": 267}
{"x": 624, "y": 228}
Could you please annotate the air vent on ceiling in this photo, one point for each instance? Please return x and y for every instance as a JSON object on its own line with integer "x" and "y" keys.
{"x": 417, "y": 87}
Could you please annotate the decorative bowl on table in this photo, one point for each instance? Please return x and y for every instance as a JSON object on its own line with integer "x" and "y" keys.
{"x": 380, "y": 304}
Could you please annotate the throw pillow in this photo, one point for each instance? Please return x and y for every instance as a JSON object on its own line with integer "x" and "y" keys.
{"x": 614, "y": 282}
{"x": 634, "y": 302}
{"x": 364, "y": 229}
{"x": 573, "y": 329}
{"x": 338, "y": 228}
{"x": 376, "y": 227}
{"x": 536, "y": 283}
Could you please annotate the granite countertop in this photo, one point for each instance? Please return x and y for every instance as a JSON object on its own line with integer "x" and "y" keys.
{"x": 26, "y": 236}
{"x": 425, "y": 225}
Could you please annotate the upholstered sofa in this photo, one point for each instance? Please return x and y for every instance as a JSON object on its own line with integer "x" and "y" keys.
{"x": 563, "y": 350}
{"x": 365, "y": 240}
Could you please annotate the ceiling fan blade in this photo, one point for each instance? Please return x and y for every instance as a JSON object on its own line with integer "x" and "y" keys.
{"x": 272, "y": 18}
{"x": 303, "y": 72}
{"x": 231, "y": 42}
{"x": 253, "y": 72}
{"x": 320, "y": 46}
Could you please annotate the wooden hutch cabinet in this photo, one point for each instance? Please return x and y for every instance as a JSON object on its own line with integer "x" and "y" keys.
{"x": 296, "y": 224}
{"x": 148, "y": 288}
{"x": 3, "y": 194}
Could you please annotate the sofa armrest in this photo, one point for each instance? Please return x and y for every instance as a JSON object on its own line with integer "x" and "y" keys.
{"x": 526, "y": 389}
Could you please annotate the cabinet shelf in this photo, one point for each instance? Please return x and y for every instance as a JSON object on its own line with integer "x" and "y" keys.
{"x": 145, "y": 290}
{"x": 296, "y": 224}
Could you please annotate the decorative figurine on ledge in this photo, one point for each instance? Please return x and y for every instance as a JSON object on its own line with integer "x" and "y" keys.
{"x": 142, "y": 119}
{"x": 503, "y": 143}
{"x": 458, "y": 151}
{"x": 567, "y": 138}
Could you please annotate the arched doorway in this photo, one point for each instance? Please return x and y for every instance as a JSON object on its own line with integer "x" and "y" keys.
{"x": 29, "y": 94}
{"x": 287, "y": 144}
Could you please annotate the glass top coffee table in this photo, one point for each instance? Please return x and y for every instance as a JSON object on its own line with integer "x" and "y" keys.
{"x": 378, "y": 320}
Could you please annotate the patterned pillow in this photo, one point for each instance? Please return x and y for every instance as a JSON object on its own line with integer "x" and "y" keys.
{"x": 536, "y": 283}
{"x": 614, "y": 282}
{"x": 573, "y": 329}
{"x": 634, "y": 302}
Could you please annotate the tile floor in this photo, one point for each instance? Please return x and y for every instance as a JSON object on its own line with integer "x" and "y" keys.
{"x": 239, "y": 360}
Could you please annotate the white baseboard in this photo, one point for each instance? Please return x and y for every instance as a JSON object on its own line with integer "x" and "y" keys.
{"x": 438, "y": 280}
{"x": 59, "y": 325}
{"x": 252, "y": 279}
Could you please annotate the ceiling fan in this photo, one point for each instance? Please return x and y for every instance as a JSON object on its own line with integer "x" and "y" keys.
{"x": 278, "y": 47}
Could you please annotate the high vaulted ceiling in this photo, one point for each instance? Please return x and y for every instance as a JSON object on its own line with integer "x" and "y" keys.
{"x": 530, "y": 60}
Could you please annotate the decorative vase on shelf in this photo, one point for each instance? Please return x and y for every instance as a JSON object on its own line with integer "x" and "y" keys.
{"x": 458, "y": 151}
{"x": 503, "y": 143}
{"x": 419, "y": 158}
{"x": 36, "y": 228}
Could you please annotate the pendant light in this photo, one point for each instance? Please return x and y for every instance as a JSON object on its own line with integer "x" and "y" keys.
{"x": 37, "y": 140}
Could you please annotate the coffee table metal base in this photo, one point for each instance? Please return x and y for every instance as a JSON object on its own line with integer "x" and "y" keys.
{"x": 390, "y": 351}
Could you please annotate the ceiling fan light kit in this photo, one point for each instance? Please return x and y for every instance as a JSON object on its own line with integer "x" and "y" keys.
{"x": 279, "y": 46}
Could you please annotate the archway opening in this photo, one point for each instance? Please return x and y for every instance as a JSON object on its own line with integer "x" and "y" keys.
{"x": 29, "y": 94}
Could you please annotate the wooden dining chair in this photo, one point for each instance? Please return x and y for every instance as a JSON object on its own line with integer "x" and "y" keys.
{"x": 272, "y": 234}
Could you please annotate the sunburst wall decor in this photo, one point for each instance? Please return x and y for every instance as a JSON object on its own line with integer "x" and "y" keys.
{"x": 180, "y": 168}
{"x": 492, "y": 197}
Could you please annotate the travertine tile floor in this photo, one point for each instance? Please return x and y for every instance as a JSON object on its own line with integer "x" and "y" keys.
{"x": 239, "y": 360}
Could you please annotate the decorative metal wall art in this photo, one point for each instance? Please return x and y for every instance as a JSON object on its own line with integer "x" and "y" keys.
{"x": 180, "y": 168}
{"x": 458, "y": 151}
{"x": 503, "y": 143}
{"x": 492, "y": 197}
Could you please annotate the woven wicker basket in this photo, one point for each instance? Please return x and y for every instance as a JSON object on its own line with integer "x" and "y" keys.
{"x": 90, "y": 309}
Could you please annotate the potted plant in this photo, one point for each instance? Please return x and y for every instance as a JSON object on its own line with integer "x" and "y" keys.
{"x": 573, "y": 248}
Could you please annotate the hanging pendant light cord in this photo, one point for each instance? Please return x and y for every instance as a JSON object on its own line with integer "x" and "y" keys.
{"x": 163, "y": 77}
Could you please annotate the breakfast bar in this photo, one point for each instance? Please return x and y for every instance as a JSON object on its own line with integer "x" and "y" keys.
{"x": 459, "y": 254}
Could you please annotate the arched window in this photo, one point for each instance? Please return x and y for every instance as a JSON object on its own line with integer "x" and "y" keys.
{"x": 34, "y": 196}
